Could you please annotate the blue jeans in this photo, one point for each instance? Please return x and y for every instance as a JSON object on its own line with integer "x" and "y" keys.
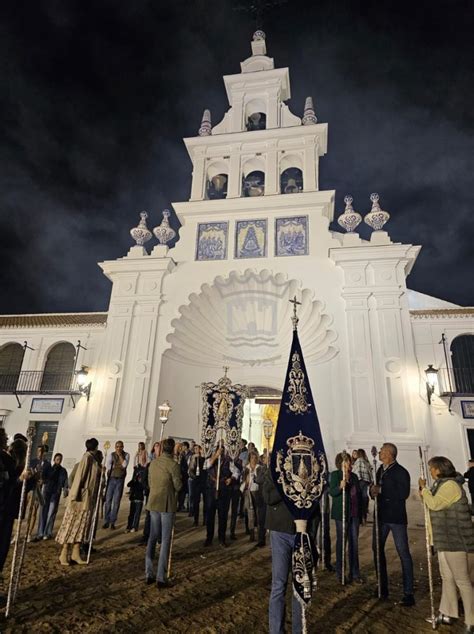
{"x": 48, "y": 514}
{"x": 112, "y": 499}
{"x": 134, "y": 514}
{"x": 400, "y": 537}
{"x": 161, "y": 528}
{"x": 282, "y": 550}
{"x": 352, "y": 540}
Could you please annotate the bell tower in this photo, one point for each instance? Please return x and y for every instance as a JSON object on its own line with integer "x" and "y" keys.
{"x": 259, "y": 148}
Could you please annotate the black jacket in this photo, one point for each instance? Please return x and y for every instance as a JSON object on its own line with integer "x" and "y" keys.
{"x": 278, "y": 517}
{"x": 395, "y": 482}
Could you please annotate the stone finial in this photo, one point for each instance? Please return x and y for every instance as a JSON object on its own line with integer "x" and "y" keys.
{"x": 258, "y": 43}
{"x": 141, "y": 233}
{"x": 163, "y": 232}
{"x": 309, "y": 117}
{"x": 259, "y": 35}
{"x": 350, "y": 219}
{"x": 376, "y": 218}
{"x": 206, "y": 128}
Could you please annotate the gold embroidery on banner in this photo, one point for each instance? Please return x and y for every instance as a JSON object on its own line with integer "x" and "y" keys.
{"x": 296, "y": 387}
{"x": 301, "y": 474}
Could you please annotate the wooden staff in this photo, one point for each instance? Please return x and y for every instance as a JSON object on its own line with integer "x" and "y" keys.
{"x": 219, "y": 464}
{"x": 171, "y": 550}
{"x": 322, "y": 549}
{"x": 428, "y": 545}
{"x": 99, "y": 496}
{"x": 376, "y": 525}
{"x": 15, "y": 571}
{"x": 344, "y": 480}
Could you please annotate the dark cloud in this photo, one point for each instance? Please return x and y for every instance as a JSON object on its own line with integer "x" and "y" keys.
{"x": 96, "y": 98}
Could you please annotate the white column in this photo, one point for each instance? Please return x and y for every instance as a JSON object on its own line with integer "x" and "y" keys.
{"x": 199, "y": 174}
{"x": 272, "y": 175}
{"x": 310, "y": 168}
{"x": 237, "y": 114}
{"x": 273, "y": 108}
{"x": 234, "y": 187}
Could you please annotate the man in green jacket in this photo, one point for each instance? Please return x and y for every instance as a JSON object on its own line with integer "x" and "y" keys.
{"x": 164, "y": 479}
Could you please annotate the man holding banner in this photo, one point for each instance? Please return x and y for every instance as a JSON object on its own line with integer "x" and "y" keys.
{"x": 299, "y": 471}
{"x": 222, "y": 413}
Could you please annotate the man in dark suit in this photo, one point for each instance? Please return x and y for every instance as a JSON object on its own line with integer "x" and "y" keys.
{"x": 392, "y": 490}
{"x": 164, "y": 480}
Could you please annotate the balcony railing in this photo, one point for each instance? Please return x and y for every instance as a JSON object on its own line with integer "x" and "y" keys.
{"x": 456, "y": 381}
{"x": 39, "y": 382}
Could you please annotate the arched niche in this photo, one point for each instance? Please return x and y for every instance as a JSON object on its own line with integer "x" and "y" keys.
{"x": 255, "y": 115}
{"x": 217, "y": 180}
{"x": 11, "y": 360}
{"x": 59, "y": 367}
{"x": 253, "y": 177}
{"x": 462, "y": 359}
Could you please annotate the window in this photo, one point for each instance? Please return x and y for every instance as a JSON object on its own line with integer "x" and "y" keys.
{"x": 462, "y": 358}
{"x": 59, "y": 368}
{"x": 11, "y": 359}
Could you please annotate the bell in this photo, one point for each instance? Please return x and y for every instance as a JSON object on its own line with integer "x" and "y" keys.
{"x": 291, "y": 187}
{"x": 255, "y": 119}
{"x": 219, "y": 181}
{"x": 255, "y": 189}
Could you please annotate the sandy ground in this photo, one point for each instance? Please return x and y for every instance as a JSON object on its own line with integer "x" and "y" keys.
{"x": 217, "y": 590}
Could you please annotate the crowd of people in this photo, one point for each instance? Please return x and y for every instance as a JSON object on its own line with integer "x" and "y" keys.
{"x": 215, "y": 489}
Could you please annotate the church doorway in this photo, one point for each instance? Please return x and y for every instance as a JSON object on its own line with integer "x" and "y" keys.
{"x": 263, "y": 404}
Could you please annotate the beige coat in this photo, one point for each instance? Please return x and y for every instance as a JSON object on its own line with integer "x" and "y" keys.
{"x": 164, "y": 480}
{"x": 83, "y": 492}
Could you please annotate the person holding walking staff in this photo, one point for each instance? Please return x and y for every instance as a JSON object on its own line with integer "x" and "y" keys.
{"x": 76, "y": 525}
{"x": 376, "y": 534}
{"x": 451, "y": 532}
{"x": 346, "y": 511}
{"x": 164, "y": 479}
{"x": 392, "y": 489}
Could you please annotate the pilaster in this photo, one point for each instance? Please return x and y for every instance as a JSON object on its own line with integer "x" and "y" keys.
{"x": 129, "y": 349}
{"x": 374, "y": 288}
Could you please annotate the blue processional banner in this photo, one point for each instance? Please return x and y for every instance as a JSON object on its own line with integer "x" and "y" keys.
{"x": 222, "y": 415}
{"x": 299, "y": 465}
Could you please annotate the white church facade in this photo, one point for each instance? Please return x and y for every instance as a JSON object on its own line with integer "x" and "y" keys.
{"x": 254, "y": 234}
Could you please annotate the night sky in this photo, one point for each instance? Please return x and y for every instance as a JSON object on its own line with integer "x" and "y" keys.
{"x": 96, "y": 96}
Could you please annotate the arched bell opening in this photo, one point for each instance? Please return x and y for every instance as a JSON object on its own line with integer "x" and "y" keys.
{"x": 256, "y": 121}
{"x": 217, "y": 187}
{"x": 217, "y": 179}
{"x": 291, "y": 181}
{"x": 254, "y": 183}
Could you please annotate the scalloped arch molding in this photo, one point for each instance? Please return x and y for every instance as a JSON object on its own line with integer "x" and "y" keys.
{"x": 244, "y": 319}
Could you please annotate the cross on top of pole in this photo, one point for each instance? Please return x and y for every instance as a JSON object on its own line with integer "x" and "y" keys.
{"x": 294, "y": 318}
{"x": 225, "y": 368}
